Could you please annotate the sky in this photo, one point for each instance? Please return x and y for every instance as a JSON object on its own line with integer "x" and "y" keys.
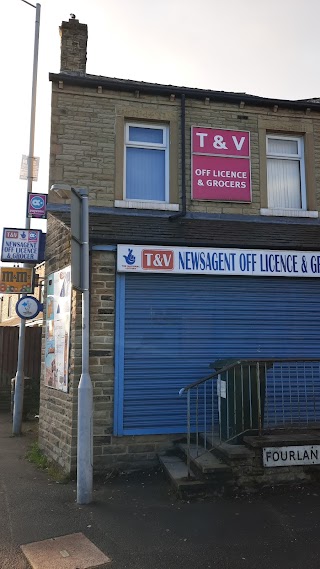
{"x": 267, "y": 48}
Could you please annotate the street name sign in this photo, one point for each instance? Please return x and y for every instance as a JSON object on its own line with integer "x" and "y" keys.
{"x": 291, "y": 455}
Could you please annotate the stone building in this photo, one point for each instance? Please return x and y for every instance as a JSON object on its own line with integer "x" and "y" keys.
{"x": 204, "y": 233}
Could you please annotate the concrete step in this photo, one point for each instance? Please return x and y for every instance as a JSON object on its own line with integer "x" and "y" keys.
{"x": 204, "y": 461}
{"x": 177, "y": 472}
{"x": 228, "y": 451}
{"x": 283, "y": 439}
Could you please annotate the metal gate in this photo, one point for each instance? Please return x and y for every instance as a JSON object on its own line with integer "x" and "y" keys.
{"x": 9, "y": 338}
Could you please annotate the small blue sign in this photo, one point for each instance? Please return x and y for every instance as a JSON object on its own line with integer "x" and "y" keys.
{"x": 28, "y": 307}
{"x": 37, "y": 202}
{"x": 130, "y": 258}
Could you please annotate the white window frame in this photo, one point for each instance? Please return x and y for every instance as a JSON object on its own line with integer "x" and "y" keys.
{"x": 298, "y": 157}
{"x": 150, "y": 145}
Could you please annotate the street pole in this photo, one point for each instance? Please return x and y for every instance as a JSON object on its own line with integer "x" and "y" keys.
{"x": 85, "y": 391}
{"x": 80, "y": 273}
{"x": 19, "y": 382}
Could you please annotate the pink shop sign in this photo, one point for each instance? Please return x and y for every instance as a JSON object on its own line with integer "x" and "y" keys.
{"x": 221, "y": 165}
{"x": 221, "y": 178}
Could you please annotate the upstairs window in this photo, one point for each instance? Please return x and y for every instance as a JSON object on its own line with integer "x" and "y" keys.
{"x": 146, "y": 162}
{"x": 286, "y": 173}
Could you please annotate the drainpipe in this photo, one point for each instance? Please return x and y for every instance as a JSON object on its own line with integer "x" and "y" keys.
{"x": 183, "y": 210}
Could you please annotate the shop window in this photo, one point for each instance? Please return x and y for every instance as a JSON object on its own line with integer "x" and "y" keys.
{"x": 286, "y": 173}
{"x": 146, "y": 163}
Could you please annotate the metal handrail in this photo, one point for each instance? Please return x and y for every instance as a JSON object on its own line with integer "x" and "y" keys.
{"x": 211, "y": 376}
{"x": 235, "y": 423}
{"x": 245, "y": 361}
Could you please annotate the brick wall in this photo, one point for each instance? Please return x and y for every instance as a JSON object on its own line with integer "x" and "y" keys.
{"x": 58, "y": 410}
{"x": 102, "y": 318}
{"x": 111, "y": 451}
{"x": 57, "y": 420}
{"x": 84, "y": 125}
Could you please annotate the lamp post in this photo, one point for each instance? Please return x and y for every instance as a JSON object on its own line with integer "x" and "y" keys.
{"x": 19, "y": 383}
{"x": 80, "y": 238}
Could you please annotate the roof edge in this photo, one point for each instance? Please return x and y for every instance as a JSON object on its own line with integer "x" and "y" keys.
{"x": 115, "y": 84}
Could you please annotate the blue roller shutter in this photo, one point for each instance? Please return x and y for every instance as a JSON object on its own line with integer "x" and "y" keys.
{"x": 175, "y": 326}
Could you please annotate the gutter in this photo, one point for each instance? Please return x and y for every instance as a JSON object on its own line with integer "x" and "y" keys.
{"x": 183, "y": 210}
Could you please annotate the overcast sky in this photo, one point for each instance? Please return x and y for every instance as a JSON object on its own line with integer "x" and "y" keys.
{"x": 266, "y": 48}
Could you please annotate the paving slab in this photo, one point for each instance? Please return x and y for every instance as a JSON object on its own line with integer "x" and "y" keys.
{"x": 139, "y": 523}
{"x": 74, "y": 551}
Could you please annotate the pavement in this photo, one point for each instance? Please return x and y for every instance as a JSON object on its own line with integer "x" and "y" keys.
{"x": 139, "y": 523}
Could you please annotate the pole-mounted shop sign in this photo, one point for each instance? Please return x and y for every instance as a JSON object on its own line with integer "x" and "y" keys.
{"x": 21, "y": 245}
{"x": 194, "y": 260}
{"x": 37, "y": 205}
{"x": 220, "y": 165}
{"x": 16, "y": 280}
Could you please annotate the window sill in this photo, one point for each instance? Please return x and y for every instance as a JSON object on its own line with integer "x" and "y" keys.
{"x": 137, "y": 204}
{"x": 288, "y": 212}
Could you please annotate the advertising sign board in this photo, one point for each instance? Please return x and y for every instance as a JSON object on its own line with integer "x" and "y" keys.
{"x": 16, "y": 280}
{"x": 208, "y": 261}
{"x": 58, "y": 329}
{"x": 20, "y": 245}
{"x": 221, "y": 165}
{"x": 37, "y": 204}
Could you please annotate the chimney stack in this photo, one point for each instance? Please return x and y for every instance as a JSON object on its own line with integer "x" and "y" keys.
{"x": 74, "y": 37}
